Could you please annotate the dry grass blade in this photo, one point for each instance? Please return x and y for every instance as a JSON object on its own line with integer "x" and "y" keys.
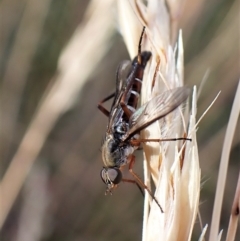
{"x": 75, "y": 65}
{"x": 27, "y": 38}
{"x": 234, "y": 218}
{"x": 224, "y": 165}
{"x": 35, "y": 205}
{"x": 202, "y": 236}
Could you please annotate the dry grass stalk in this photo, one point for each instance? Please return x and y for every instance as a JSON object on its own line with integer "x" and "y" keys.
{"x": 234, "y": 218}
{"x": 75, "y": 65}
{"x": 18, "y": 66}
{"x": 223, "y": 170}
{"x": 173, "y": 166}
{"x": 35, "y": 206}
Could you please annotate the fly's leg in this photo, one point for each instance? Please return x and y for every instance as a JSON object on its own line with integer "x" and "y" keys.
{"x": 137, "y": 142}
{"x": 126, "y": 110}
{"x": 139, "y": 59}
{"x": 133, "y": 182}
{"x": 102, "y": 108}
{"x": 140, "y": 182}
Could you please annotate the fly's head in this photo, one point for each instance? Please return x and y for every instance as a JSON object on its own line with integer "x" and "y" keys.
{"x": 111, "y": 176}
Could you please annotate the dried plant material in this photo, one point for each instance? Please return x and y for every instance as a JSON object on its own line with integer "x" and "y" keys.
{"x": 234, "y": 218}
{"x": 173, "y": 166}
{"x": 18, "y": 65}
{"x": 35, "y": 206}
{"x": 75, "y": 65}
{"x": 202, "y": 236}
{"x": 224, "y": 165}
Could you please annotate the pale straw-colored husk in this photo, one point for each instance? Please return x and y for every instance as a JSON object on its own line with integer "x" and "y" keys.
{"x": 172, "y": 166}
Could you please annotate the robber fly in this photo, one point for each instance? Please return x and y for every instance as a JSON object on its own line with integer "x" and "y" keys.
{"x": 125, "y": 122}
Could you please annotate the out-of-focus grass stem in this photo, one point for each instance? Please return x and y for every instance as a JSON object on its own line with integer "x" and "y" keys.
{"x": 224, "y": 166}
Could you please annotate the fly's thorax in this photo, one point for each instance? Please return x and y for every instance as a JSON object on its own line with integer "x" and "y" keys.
{"x": 115, "y": 153}
{"x": 120, "y": 128}
{"x": 107, "y": 146}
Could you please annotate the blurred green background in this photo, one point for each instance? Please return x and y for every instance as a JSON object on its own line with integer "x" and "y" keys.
{"x": 63, "y": 196}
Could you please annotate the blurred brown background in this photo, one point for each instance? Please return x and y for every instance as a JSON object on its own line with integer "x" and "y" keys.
{"x": 63, "y": 196}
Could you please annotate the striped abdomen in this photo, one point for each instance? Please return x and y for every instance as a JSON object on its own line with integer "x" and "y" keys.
{"x": 136, "y": 76}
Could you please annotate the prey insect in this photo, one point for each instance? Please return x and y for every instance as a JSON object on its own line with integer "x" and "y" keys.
{"x": 125, "y": 122}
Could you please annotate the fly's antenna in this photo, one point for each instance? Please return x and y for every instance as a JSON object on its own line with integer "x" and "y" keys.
{"x": 139, "y": 58}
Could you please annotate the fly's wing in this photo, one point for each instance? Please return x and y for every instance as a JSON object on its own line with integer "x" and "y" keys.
{"x": 155, "y": 109}
{"x": 123, "y": 71}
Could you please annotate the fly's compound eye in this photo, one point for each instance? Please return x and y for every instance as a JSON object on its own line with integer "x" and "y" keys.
{"x": 111, "y": 176}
